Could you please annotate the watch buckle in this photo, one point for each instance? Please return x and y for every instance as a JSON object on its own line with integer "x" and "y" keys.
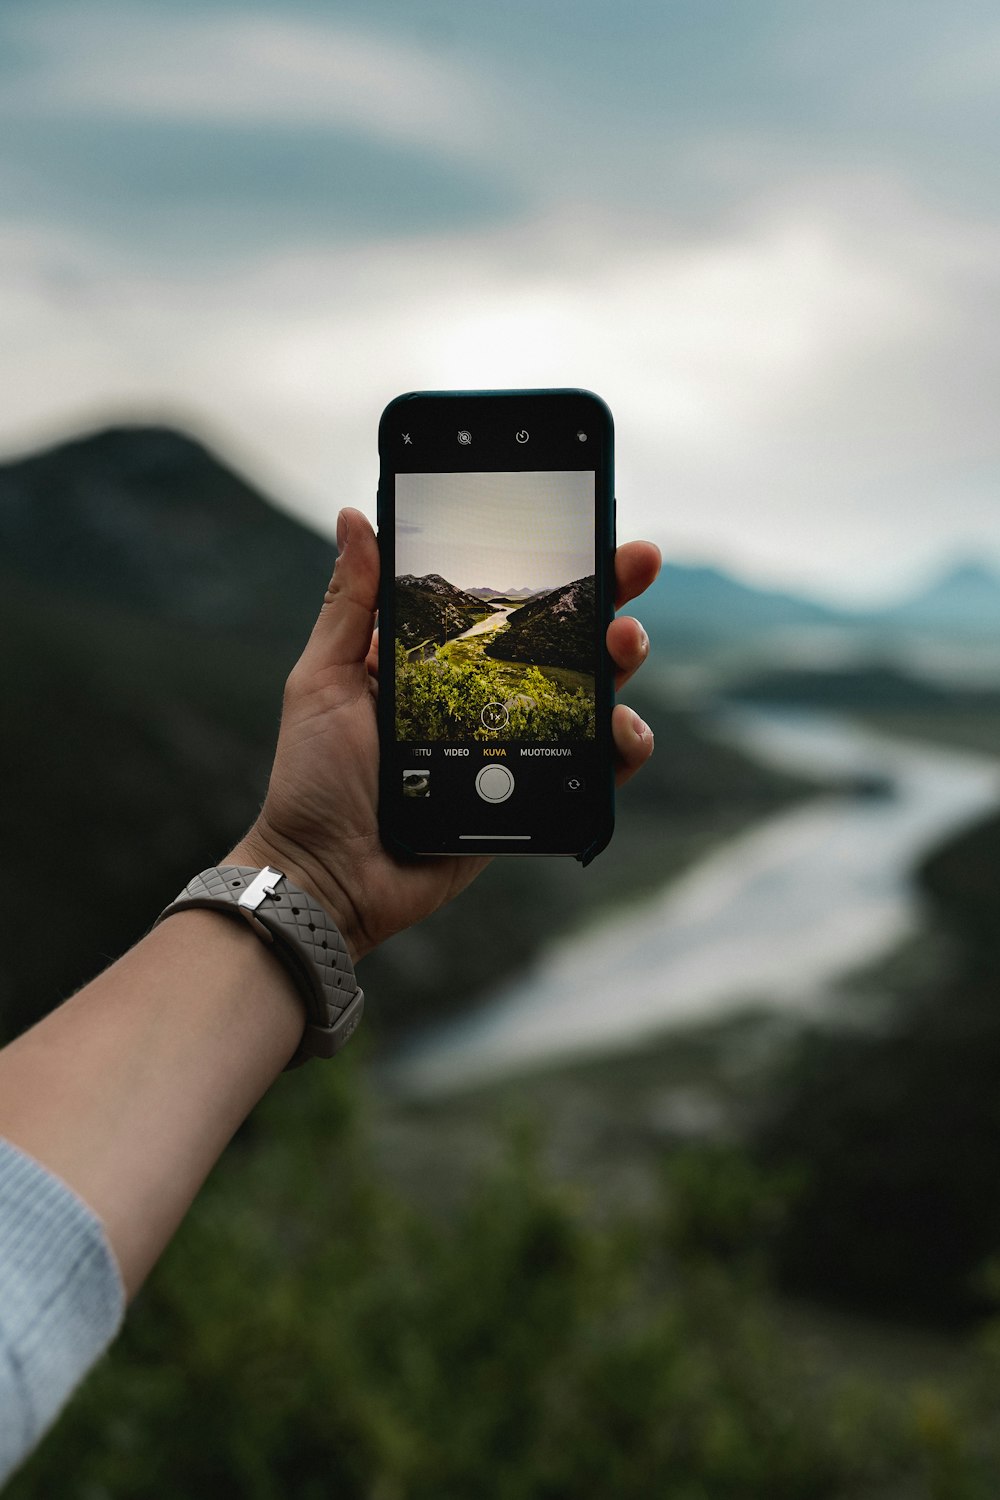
{"x": 262, "y": 886}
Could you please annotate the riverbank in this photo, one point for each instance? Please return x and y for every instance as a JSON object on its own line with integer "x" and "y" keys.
{"x": 776, "y": 916}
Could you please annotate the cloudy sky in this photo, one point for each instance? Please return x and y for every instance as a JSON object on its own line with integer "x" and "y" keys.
{"x": 767, "y": 232}
{"x": 533, "y": 530}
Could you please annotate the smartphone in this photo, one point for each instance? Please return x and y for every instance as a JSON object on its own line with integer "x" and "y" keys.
{"x": 496, "y": 530}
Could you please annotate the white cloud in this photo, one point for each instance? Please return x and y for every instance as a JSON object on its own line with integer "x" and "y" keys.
{"x": 143, "y": 63}
{"x": 810, "y": 396}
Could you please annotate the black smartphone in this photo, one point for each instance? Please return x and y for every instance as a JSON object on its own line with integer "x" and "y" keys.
{"x": 496, "y": 531}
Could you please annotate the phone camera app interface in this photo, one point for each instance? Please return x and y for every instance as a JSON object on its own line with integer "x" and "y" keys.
{"x": 495, "y": 605}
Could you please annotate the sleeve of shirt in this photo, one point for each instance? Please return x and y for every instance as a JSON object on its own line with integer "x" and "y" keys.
{"x": 61, "y": 1299}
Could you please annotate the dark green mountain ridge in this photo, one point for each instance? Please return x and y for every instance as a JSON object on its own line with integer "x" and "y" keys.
{"x": 554, "y": 629}
{"x": 429, "y": 608}
{"x": 152, "y": 602}
{"x": 205, "y": 548}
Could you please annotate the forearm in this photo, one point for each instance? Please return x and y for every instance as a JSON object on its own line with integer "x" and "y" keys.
{"x": 132, "y": 1088}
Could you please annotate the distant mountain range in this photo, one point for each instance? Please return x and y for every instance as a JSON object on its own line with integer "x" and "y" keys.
{"x": 146, "y": 519}
{"x": 505, "y": 593}
{"x": 962, "y": 601}
{"x": 702, "y": 605}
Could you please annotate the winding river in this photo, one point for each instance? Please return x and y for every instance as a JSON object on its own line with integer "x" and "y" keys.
{"x": 774, "y": 917}
{"x": 483, "y": 627}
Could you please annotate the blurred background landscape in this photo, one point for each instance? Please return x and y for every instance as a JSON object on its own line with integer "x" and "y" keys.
{"x": 679, "y": 1175}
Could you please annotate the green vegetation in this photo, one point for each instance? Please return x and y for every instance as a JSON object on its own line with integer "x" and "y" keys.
{"x": 340, "y": 1316}
{"x": 311, "y": 1333}
{"x": 441, "y": 700}
{"x": 899, "y": 1127}
{"x": 468, "y": 650}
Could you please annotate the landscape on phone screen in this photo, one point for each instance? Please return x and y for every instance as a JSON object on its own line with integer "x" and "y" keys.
{"x": 495, "y": 607}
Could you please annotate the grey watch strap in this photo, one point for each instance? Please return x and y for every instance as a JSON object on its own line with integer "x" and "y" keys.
{"x": 301, "y": 935}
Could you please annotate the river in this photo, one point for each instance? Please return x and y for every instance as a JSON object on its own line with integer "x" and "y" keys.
{"x": 482, "y": 627}
{"x": 774, "y": 917}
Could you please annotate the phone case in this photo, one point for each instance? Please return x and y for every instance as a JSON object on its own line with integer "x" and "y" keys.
{"x": 541, "y": 794}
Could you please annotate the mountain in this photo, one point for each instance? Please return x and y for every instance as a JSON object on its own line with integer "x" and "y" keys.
{"x": 432, "y": 609}
{"x": 147, "y": 520}
{"x": 505, "y": 593}
{"x": 152, "y": 602}
{"x": 433, "y": 583}
{"x": 963, "y": 601}
{"x": 553, "y": 630}
{"x": 703, "y": 604}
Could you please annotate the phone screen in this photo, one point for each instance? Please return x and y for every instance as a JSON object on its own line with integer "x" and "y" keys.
{"x": 494, "y": 604}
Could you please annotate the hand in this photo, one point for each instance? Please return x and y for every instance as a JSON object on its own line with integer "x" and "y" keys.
{"x": 319, "y": 821}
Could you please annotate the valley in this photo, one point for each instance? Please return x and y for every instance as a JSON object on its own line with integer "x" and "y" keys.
{"x": 527, "y": 653}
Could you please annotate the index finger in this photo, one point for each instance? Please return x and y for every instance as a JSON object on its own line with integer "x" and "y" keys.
{"x": 636, "y": 567}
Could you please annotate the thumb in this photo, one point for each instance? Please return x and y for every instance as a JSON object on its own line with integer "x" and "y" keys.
{"x": 343, "y": 632}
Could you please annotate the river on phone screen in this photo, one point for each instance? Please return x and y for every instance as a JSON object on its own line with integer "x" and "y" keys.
{"x": 487, "y": 626}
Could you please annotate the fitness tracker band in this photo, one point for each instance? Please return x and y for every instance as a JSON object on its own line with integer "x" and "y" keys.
{"x": 300, "y": 935}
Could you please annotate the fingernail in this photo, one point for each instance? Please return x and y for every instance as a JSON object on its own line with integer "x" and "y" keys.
{"x": 643, "y": 641}
{"x": 640, "y": 726}
{"x": 343, "y": 531}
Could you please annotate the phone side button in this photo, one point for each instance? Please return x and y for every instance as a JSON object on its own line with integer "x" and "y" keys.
{"x": 494, "y": 783}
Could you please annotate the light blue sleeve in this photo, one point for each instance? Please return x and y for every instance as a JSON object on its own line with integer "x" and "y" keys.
{"x": 61, "y": 1300}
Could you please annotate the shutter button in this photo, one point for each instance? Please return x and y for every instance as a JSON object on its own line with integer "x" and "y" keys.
{"x": 494, "y": 783}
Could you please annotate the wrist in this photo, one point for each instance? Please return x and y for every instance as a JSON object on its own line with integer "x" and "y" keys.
{"x": 254, "y": 982}
{"x": 299, "y": 932}
{"x": 258, "y": 848}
